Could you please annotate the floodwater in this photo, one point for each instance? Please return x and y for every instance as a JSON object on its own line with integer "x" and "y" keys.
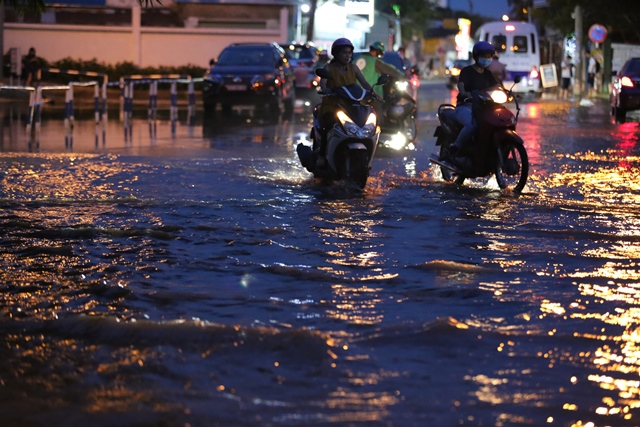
{"x": 199, "y": 277}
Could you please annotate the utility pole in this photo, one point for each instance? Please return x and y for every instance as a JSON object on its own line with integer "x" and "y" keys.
{"x": 312, "y": 18}
{"x": 579, "y": 54}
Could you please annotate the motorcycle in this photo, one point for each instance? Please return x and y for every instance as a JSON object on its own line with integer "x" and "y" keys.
{"x": 352, "y": 141}
{"x": 399, "y": 116}
{"x": 496, "y": 149}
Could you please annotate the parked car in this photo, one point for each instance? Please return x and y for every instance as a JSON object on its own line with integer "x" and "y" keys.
{"x": 453, "y": 72}
{"x": 250, "y": 74}
{"x": 625, "y": 90}
{"x": 302, "y": 58}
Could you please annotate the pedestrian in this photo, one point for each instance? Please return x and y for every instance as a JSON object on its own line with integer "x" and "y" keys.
{"x": 498, "y": 69}
{"x": 31, "y": 68}
{"x": 591, "y": 75}
{"x": 406, "y": 63}
{"x": 566, "y": 73}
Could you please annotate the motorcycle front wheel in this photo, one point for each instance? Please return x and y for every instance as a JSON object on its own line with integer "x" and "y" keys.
{"x": 512, "y": 167}
{"x": 356, "y": 167}
{"x": 410, "y": 130}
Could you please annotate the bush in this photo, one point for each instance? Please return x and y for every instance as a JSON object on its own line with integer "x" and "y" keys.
{"x": 114, "y": 72}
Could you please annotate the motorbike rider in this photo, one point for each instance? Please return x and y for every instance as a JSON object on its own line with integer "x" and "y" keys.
{"x": 323, "y": 59}
{"x": 373, "y": 67}
{"x": 342, "y": 73}
{"x": 476, "y": 76}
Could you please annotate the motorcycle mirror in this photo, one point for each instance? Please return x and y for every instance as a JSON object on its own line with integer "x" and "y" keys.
{"x": 384, "y": 78}
{"x": 517, "y": 79}
{"x": 322, "y": 73}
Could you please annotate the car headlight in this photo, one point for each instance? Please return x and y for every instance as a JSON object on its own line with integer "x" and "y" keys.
{"x": 264, "y": 79}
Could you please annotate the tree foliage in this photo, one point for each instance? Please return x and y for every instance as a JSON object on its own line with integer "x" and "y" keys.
{"x": 621, "y": 18}
{"x": 25, "y": 6}
{"x": 415, "y": 15}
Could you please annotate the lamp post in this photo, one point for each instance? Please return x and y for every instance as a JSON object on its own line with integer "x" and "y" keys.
{"x": 312, "y": 15}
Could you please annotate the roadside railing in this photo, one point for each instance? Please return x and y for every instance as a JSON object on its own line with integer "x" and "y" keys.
{"x": 100, "y": 82}
{"x": 127, "y": 84}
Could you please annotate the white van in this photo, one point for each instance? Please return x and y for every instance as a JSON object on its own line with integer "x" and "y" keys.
{"x": 518, "y": 46}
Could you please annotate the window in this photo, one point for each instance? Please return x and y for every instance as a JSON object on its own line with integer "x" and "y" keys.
{"x": 520, "y": 44}
{"x": 499, "y": 43}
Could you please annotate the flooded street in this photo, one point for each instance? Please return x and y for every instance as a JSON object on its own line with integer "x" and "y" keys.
{"x": 201, "y": 277}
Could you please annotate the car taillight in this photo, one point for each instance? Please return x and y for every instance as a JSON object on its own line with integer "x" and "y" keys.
{"x": 626, "y": 82}
{"x": 533, "y": 74}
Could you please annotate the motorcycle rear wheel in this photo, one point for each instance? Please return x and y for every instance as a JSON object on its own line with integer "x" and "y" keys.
{"x": 447, "y": 174}
{"x": 512, "y": 169}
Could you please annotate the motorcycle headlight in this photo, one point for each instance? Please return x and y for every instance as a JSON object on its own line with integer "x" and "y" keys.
{"x": 354, "y": 130}
{"x": 402, "y": 85}
{"x": 397, "y": 141}
{"x": 370, "y": 126}
{"x": 499, "y": 97}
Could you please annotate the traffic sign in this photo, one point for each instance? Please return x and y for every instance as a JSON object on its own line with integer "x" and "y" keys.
{"x": 597, "y": 33}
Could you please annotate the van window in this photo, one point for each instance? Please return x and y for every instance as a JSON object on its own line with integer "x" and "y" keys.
{"x": 499, "y": 43}
{"x": 533, "y": 43}
{"x": 520, "y": 44}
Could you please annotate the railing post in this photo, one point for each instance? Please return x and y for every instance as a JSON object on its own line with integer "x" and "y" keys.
{"x": 174, "y": 106}
{"x": 192, "y": 103}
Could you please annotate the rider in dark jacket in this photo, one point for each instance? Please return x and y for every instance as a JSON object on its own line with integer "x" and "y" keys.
{"x": 476, "y": 76}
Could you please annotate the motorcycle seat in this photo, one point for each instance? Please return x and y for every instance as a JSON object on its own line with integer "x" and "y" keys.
{"x": 447, "y": 114}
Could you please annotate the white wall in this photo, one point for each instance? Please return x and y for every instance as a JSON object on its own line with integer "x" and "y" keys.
{"x": 111, "y": 45}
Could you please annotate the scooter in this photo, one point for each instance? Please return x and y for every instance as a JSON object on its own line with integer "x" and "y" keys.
{"x": 352, "y": 141}
{"x": 399, "y": 117}
{"x": 496, "y": 148}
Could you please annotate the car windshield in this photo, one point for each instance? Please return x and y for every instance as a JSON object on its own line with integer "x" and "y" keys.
{"x": 246, "y": 56}
{"x": 298, "y": 52}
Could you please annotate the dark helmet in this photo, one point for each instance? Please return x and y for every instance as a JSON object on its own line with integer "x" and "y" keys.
{"x": 377, "y": 46}
{"x": 482, "y": 48}
{"x": 339, "y": 44}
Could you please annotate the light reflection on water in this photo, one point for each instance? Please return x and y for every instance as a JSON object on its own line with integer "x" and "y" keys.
{"x": 319, "y": 304}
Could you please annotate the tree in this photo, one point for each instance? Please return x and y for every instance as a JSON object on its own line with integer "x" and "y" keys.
{"x": 23, "y": 6}
{"x": 415, "y": 15}
{"x": 620, "y": 18}
{"x": 26, "y": 6}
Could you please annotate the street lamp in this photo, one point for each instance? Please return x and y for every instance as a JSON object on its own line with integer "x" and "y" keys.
{"x": 300, "y": 9}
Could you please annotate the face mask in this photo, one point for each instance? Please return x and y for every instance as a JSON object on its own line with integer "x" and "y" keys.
{"x": 484, "y": 62}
